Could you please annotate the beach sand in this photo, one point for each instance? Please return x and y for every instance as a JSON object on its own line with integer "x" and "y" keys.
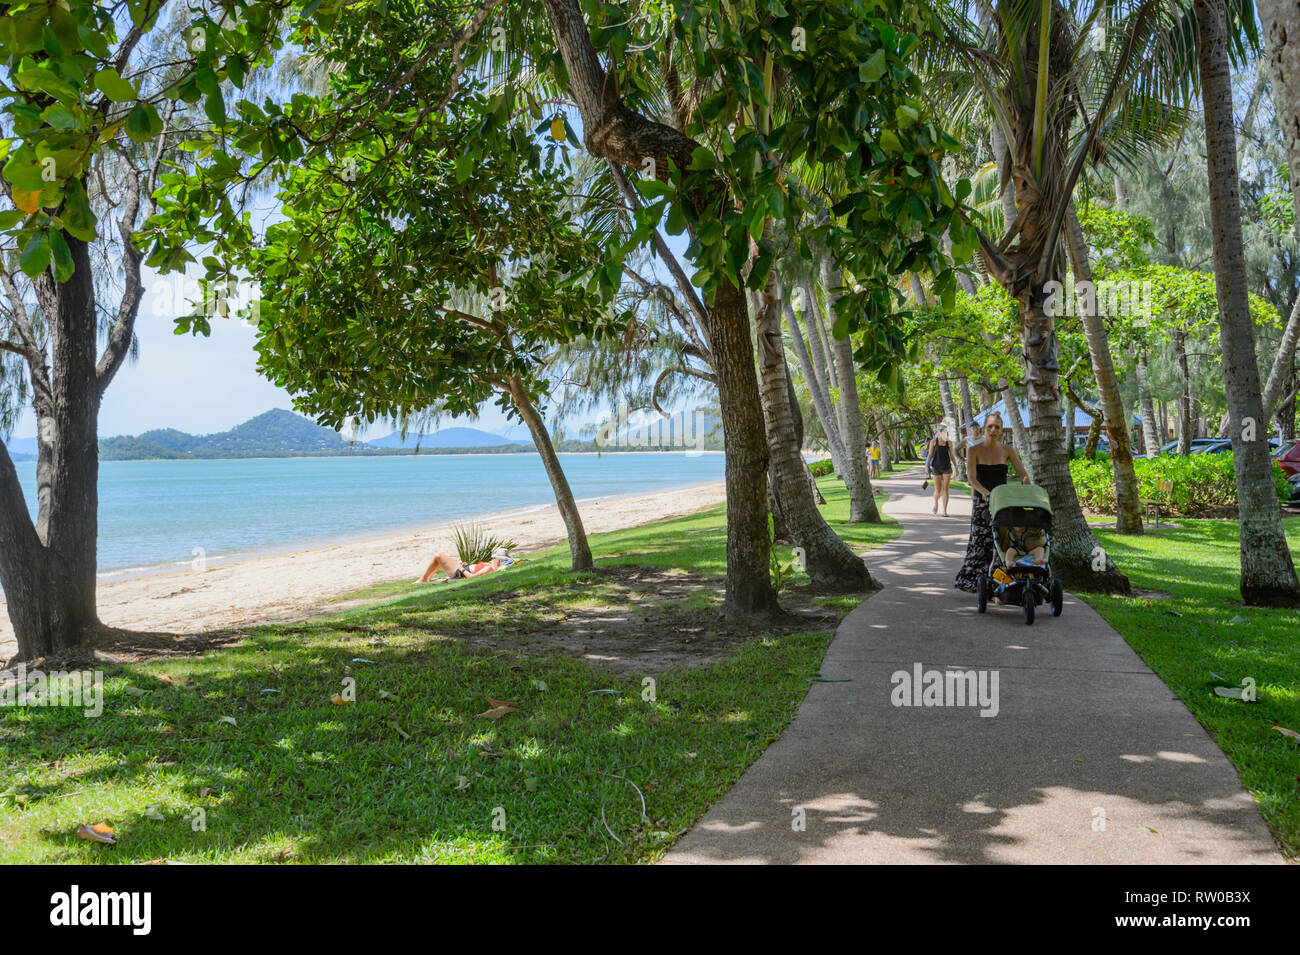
{"x": 291, "y": 586}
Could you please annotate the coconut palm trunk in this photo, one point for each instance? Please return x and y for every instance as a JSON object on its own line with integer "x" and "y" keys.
{"x": 1128, "y": 502}
{"x": 829, "y": 561}
{"x": 1268, "y": 575}
{"x": 862, "y": 500}
{"x": 821, "y": 398}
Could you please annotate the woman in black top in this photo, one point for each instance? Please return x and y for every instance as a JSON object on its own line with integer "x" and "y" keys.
{"x": 939, "y": 459}
{"x": 986, "y": 464}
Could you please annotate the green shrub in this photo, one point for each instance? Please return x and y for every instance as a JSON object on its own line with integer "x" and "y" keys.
{"x": 822, "y": 468}
{"x": 1202, "y": 482}
{"x": 474, "y": 545}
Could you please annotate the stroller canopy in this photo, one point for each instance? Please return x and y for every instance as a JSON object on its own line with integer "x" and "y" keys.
{"x": 1025, "y": 505}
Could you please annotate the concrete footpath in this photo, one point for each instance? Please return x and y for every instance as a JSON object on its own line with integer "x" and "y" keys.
{"x": 1090, "y": 758}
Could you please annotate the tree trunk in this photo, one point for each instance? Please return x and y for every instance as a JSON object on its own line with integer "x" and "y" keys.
{"x": 1149, "y": 438}
{"x": 1077, "y": 558}
{"x": 1094, "y": 438}
{"x": 579, "y": 550}
{"x": 967, "y": 409}
{"x": 613, "y": 131}
{"x": 954, "y": 429}
{"x": 1128, "y": 503}
{"x": 48, "y": 574}
{"x": 1186, "y": 425}
{"x": 1268, "y": 576}
{"x": 1069, "y": 427}
{"x": 862, "y": 500}
{"x": 829, "y": 562}
{"x": 821, "y": 399}
{"x": 882, "y": 438}
{"x": 1275, "y": 387}
{"x": 1019, "y": 436}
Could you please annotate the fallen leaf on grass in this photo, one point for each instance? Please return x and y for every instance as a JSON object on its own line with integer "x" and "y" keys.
{"x": 601, "y": 692}
{"x": 100, "y": 832}
{"x": 492, "y": 702}
{"x": 655, "y": 718}
{"x": 385, "y": 695}
{"x": 360, "y": 660}
{"x": 228, "y": 719}
{"x": 1286, "y": 732}
{"x": 337, "y": 700}
{"x": 539, "y": 685}
{"x": 135, "y": 690}
{"x": 152, "y": 812}
{"x": 205, "y": 791}
{"x": 462, "y": 782}
{"x": 499, "y": 711}
{"x": 400, "y": 732}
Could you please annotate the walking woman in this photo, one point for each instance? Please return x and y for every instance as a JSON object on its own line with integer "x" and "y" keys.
{"x": 939, "y": 459}
{"x": 986, "y": 466}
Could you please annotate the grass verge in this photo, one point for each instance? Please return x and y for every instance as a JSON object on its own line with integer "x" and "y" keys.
{"x": 259, "y": 753}
{"x": 1201, "y": 636}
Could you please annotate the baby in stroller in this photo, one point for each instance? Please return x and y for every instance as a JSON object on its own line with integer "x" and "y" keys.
{"x": 1025, "y": 544}
{"x": 1020, "y": 571}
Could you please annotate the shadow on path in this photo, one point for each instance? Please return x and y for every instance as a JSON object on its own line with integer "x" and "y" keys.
{"x": 1089, "y": 757}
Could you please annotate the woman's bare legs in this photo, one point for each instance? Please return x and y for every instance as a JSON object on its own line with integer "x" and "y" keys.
{"x": 944, "y": 480}
{"x": 443, "y": 562}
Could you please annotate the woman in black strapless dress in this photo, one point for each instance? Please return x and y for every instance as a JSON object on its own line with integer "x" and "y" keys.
{"x": 986, "y": 464}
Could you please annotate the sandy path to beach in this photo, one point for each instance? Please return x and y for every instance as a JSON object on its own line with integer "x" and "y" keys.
{"x": 295, "y": 585}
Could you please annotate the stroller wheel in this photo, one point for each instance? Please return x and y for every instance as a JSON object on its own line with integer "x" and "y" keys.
{"x": 1027, "y": 603}
{"x": 981, "y": 593}
{"x": 1058, "y": 598}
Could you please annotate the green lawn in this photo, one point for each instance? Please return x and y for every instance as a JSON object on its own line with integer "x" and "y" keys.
{"x": 239, "y": 755}
{"x": 1203, "y": 637}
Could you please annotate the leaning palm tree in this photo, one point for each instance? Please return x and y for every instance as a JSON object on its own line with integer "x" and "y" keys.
{"x": 1060, "y": 99}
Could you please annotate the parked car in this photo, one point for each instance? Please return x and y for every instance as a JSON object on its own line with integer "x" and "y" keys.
{"x": 1288, "y": 458}
{"x": 1217, "y": 447}
{"x": 1172, "y": 446}
{"x": 1294, "y": 499}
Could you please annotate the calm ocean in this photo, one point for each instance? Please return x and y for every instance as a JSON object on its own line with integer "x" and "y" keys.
{"x": 154, "y": 514}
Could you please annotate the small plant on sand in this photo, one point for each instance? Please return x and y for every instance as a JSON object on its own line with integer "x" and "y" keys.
{"x": 475, "y": 545}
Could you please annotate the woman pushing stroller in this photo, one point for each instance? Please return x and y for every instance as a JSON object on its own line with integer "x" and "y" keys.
{"x": 986, "y": 465}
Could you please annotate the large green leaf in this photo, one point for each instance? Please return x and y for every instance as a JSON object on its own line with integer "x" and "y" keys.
{"x": 111, "y": 84}
{"x": 62, "y": 255}
{"x": 35, "y": 256}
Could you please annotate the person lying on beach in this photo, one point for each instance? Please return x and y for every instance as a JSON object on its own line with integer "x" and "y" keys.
{"x": 455, "y": 569}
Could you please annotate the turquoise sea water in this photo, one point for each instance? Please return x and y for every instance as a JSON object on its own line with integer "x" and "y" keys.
{"x": 153, "y": 515}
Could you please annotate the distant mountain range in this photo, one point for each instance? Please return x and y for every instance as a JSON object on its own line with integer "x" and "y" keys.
{"x": 22, "y": 449}
{"x": 446, "y": 438}
{"x": 283, "y": 434}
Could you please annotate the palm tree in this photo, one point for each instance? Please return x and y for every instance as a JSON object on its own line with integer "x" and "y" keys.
{"x": 1268, "y": 574}
{"x": 1059, "y": 102}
